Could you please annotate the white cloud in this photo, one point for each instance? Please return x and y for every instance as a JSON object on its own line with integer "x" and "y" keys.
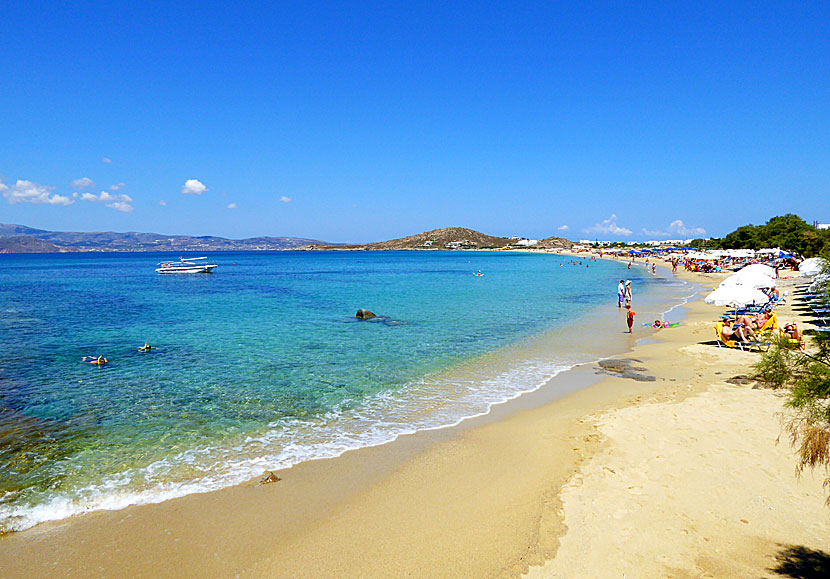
{"x": 285, "y": 199}
{"x": 106, "y": 160}
{"x": 83, "y": 183}
{"x": 232, "y": 206}
{"x": 121, "y": 206}
{"x": 563, "y": 228}
{"x": 677, "y": 228}
{"x": 117, "y": 186}
{"x": 117, "y": 202}
{"x": 163, "y": 203}
{"x": 193, "y": 187}
{"x": 609, "y": 226}
{"x": 28, "y": 192}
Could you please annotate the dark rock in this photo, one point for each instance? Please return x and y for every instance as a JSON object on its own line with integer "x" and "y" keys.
{"x": 624, "y": 368}
{"x": 740, "y": 380}
{"x": 365, "y": 314}
{"x": 270, "y": 478}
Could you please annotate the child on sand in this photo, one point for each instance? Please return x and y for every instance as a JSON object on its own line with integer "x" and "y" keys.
{"x": 630, "y": 318}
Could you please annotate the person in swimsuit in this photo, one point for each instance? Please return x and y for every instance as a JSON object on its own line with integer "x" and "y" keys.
{"x": 729, "y": 331}
{"x": 791, "y": 330}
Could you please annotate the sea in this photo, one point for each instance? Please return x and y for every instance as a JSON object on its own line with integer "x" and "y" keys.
{"x": 262, "y": 364}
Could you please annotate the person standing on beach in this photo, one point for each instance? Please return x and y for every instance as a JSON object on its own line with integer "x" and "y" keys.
{"x": 621, "y": 294}
{"x": 630, "y": 319}
{"x": 627, "y": 293}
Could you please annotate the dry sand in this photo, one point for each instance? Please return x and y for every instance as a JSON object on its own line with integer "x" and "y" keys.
{"x": 678, "y": 477}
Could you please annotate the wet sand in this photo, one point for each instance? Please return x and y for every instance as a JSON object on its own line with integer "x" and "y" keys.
{"x": 675, "y": 477}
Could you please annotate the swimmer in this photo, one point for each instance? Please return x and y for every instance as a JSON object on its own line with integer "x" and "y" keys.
{"x": 100, "y": 360}
{"x": 146, "y": 347}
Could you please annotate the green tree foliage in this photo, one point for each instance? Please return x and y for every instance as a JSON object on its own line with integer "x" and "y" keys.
{"x": 788, "y": 232}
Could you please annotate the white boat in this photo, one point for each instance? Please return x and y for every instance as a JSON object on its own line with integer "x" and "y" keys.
{"x": 186, "y": 265}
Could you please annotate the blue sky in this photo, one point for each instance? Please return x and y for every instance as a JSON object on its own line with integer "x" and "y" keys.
{"x": 350, "y": 122}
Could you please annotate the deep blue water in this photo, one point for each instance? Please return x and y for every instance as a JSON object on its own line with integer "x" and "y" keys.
{"x": 262, "y": 364}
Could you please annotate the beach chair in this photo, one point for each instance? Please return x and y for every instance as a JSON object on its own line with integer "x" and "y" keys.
{"x": 771, "y": 325}
{"x": 737, "y": 344}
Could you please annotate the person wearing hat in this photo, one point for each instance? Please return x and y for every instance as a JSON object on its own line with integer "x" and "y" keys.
{"x": 627, "y": 293}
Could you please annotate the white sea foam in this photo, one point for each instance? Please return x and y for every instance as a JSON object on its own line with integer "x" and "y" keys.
{"x": 431, "y": 404}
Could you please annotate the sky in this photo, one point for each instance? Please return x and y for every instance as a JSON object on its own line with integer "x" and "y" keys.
{"x": 358, "y": 122}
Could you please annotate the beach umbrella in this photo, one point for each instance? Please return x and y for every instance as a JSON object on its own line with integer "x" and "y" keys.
{"x": 757, "y": 280}
{"x": 736, "y": 296}
{"x": 701, "y": 255}
{"x": 758, "y": 267}
{"x": 811, "y": 266}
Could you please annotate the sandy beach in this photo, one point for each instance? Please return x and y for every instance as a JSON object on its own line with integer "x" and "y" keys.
{"x": 672, "y": 469}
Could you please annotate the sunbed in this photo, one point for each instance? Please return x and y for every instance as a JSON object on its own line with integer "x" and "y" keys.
{"x": 759, "y": 346}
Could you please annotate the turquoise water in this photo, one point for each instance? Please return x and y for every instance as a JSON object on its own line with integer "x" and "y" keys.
{"x": 262, "y": 364}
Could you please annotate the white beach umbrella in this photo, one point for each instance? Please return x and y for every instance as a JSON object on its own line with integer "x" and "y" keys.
{"x": 701, "y": 255}
{"x": 758, "y": 267}
{"x": 811, "y": 266}
{"x": 736, "y": 296}
{"x": 757, "y": 280}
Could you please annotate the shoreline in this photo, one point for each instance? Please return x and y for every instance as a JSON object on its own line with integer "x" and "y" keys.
{"x": 483, "y": 498}
{"x": 494, "y": 377}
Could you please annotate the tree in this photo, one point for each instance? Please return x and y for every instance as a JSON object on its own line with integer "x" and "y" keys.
{"x": 788, "y": 232}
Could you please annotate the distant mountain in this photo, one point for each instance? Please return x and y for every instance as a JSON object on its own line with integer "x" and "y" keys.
{"x": 28, "y": 244}
{"x": 449, "y": 238}
{"x": 9, "y": 230}
{"x": 133, "y": 241}
{"x": 22, "y": 239}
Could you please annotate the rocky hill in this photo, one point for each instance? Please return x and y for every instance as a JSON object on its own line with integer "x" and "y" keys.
{"x": 554, "y": 243}
{"x": 134, "y": 241}
{"x": 447, "y": 238}
{"x": 450, "y": 238}
{"x": 28, "y": 244}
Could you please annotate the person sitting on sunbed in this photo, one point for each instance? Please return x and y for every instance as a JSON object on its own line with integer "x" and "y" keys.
{"x": 754, "y": 322}
{"x": 792, "y": 331}
{"x": 741, "y": 331}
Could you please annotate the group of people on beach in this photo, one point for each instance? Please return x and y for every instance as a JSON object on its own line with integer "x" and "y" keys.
{"x": 624, "y": 296}
{"x": 745, "y": 328}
